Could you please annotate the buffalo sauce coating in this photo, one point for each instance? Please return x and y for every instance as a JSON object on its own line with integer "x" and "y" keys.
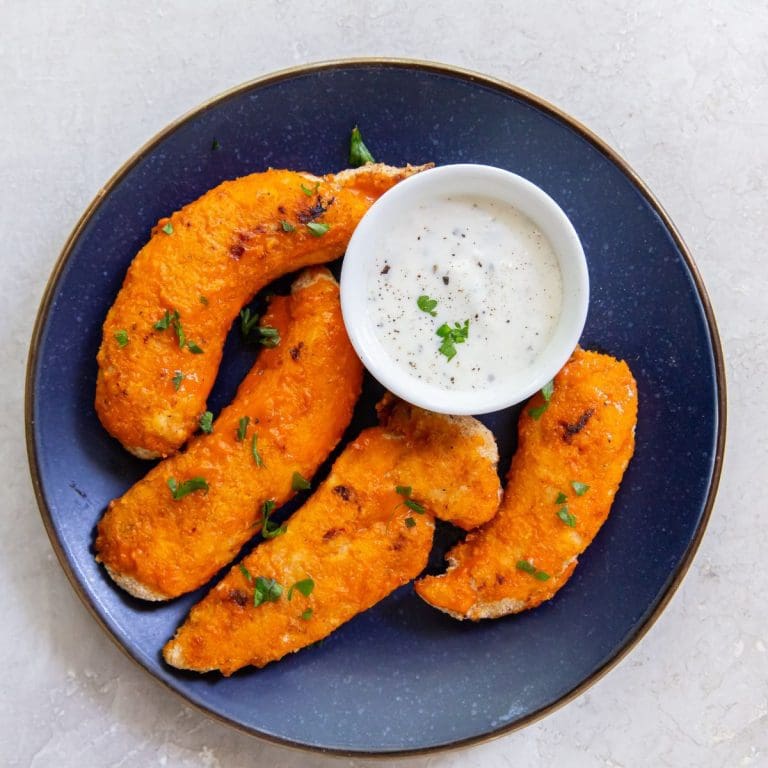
{"x": 298, "y": 398}
{"x": 205, "y": 262}
{"x": 355, "y": 538}
{"x": 529, "y": 550}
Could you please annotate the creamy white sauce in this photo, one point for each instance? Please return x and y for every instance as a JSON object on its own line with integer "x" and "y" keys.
{"x": 483, "y": 261}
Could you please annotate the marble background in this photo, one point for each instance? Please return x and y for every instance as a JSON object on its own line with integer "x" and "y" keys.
{"x": 680, "y": 89}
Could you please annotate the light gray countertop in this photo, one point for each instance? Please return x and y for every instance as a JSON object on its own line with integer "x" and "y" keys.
{"x": 679, "y": 89}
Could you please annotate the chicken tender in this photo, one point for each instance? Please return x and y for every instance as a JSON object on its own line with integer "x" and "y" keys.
{"x": 571, "y": 457}
{"x": 174, "y": 529}
{"x": 164, "y": 335}
{"x": 366, "y": 531}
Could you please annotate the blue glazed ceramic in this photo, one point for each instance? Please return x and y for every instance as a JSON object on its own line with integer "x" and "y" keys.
{"x": 401, "y": 677}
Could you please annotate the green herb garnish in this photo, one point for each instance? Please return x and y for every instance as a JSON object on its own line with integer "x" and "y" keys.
{"x": 579, "y": 488}
{"x": 405, "y": 491}
{"x": 242, "y": 428}
{"x": 307, "y": 615}
{"x": 409, "y": 522}
{"x": 270, "y": 530}
{"x": 194, "y": 348}
{"x": 541, "y": 575}
{"x": 309, "y": 191}
{"x": 122, "y": 338}
{"x": 255, "y": 451}
{"x": 299, "y": 483}
{"x": 305, "y": 586}
{"x": 268, "y": 336}
{"x": 359, "y": 154}
{"x": 203, "y": 300}
{"x": 561, "y": 498}
{"x": 165, "y": 321}
{"x": 287, "y": 226}
{"x": 427, "y": 305}
{"x": 168, "y": 228}
{"x": 178, "y": 377}
{"x": 567, "y": 517}
{"x": 266, "y": 591}
{"x": 318, "y": 229}
{"x": 415, "y": 506}
{"x": 248, "y": 321}
{"x": 245, "y": 572}
{"x": 546, "y": 391}
{"x": 180, "y": 490}
{"x": 206, "y": 422}
{"x": 528, "y": 567}
{"x": 452, "y": 336}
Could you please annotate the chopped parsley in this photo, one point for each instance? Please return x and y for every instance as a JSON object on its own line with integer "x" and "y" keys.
{"x": 206, "y": 422}
{"x": 270, "y": 530}
{"x": 180, "y": 490}
{"x": 266, "y": 591}
{"x": 409, "y": 522}
{"x": 194, "y": 348}
{"x": 248, "y": 321}
{"x": 299, "y": 483}
{"x": 528, "y": 567}
{"x": 567, "y": 517}
{"x": 403, "y": 490}
{"x": 309, "y": 191}
{"x": 255, "y": 451}
{"x": 168, "y": 228}
{"x": 359, "y": 154}
{"x": 452, "y": 336}
{"x": 561, "y": 498}
{"x": 318, "y": 229}
{"x": 178, "y": 377}
{"x": 415, "y": 506}
{"x": 546, "y": 392}
{"x": 203, "y": 300}
{"x": 245, "y": 572}
{"x": 267, "y": 335}
{"x": 287, "y": 226}
{"x": 427, "y": 305}
{"x": 579, "y": 488}
{"x": 305, "y": 586}
{"x": 164, "y": 323}
{"x": 306, "y": 615}
{"x": 173, "y": 319}
{"x": 121, "y": 337}
{"x": 242, "y": 428}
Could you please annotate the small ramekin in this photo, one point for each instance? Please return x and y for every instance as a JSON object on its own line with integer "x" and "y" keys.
{"x": 482, "y": 181}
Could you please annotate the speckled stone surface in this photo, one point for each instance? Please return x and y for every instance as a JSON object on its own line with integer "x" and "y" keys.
{"x": 680, "y": 93}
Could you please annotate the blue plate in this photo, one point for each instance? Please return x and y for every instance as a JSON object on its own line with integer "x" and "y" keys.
{"x": 401, "y": 677}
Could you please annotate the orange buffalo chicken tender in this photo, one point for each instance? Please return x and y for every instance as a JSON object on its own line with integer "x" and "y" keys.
{"x": 289, "y": 413}
{"x": 354, "y": 541}
{"x": 200, "y": 267}
{"x": 560, "y": 487}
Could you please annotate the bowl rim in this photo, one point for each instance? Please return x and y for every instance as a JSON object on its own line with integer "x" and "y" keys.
{"x": 473, "y": 77}
{"x": 489, "y": 182}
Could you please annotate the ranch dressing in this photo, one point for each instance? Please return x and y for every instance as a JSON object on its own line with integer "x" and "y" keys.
{"x": 481, "y": 260}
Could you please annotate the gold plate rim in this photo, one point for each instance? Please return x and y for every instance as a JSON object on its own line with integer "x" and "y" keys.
{"x": 509, "y": 89}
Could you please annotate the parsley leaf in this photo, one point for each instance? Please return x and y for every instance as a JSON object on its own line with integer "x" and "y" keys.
{"x": 178, "y": 377}
{"x": 546, "y": 392}
{"x": 206, "y": 422}
{"x": 305, "y": 586}
{"x": 541, "y": 576}
{"x": 165, "y": 321}
{"x": 567, "y": 517}
{"x": 180, "y": 490}
{"x": 403, "y": 490}
{"x": 415, "y": 506}
{"x": 255, "y": 451}
{"x": 266, "y": 591}
{"x": 122, "y": 338}
{"x": 528, "y": 567}
{"x": 268, "y": 336}
{"x": 359, "y": 154}
{"x": 245, "y": 572}
{"x": 318, "y": 229}
{"x": 309, "y": 191}
{"x": 203, "y": 300}
{"x": 194, "y": 348}
{"x": 247, "y": 321}
{"x": 168, "y": 228}
{"x": 270, "y": 530}
{"x": 299, "y": 483}
{"x": 427, "y": 305}
{"x": 561, "y": 498}
{"x": 242, "y": 428}
{"x": 452, "y": 336}
{"x": 579, "y": 488}
{"x": 307, "y": 615}
{"x": 287, "y": 226}
{"x": 409, "y": 522}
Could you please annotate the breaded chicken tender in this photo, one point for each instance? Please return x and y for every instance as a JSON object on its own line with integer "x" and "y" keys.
{"x": 571, "y": 457}
{"x": 164, "y": 335}
{"x": 190, "y": 515}
{"x": 366, "y": 531}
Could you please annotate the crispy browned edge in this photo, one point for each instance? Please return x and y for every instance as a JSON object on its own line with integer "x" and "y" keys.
{"x": 496, "y": 85}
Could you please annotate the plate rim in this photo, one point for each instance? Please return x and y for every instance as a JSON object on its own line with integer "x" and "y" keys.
{"x": 474, "y": 77}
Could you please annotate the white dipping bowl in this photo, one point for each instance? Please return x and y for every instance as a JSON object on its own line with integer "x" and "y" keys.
{"x": 509, "y": 387}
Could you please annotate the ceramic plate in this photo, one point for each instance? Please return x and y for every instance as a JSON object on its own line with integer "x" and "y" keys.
{"x": 401, "y": 677}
